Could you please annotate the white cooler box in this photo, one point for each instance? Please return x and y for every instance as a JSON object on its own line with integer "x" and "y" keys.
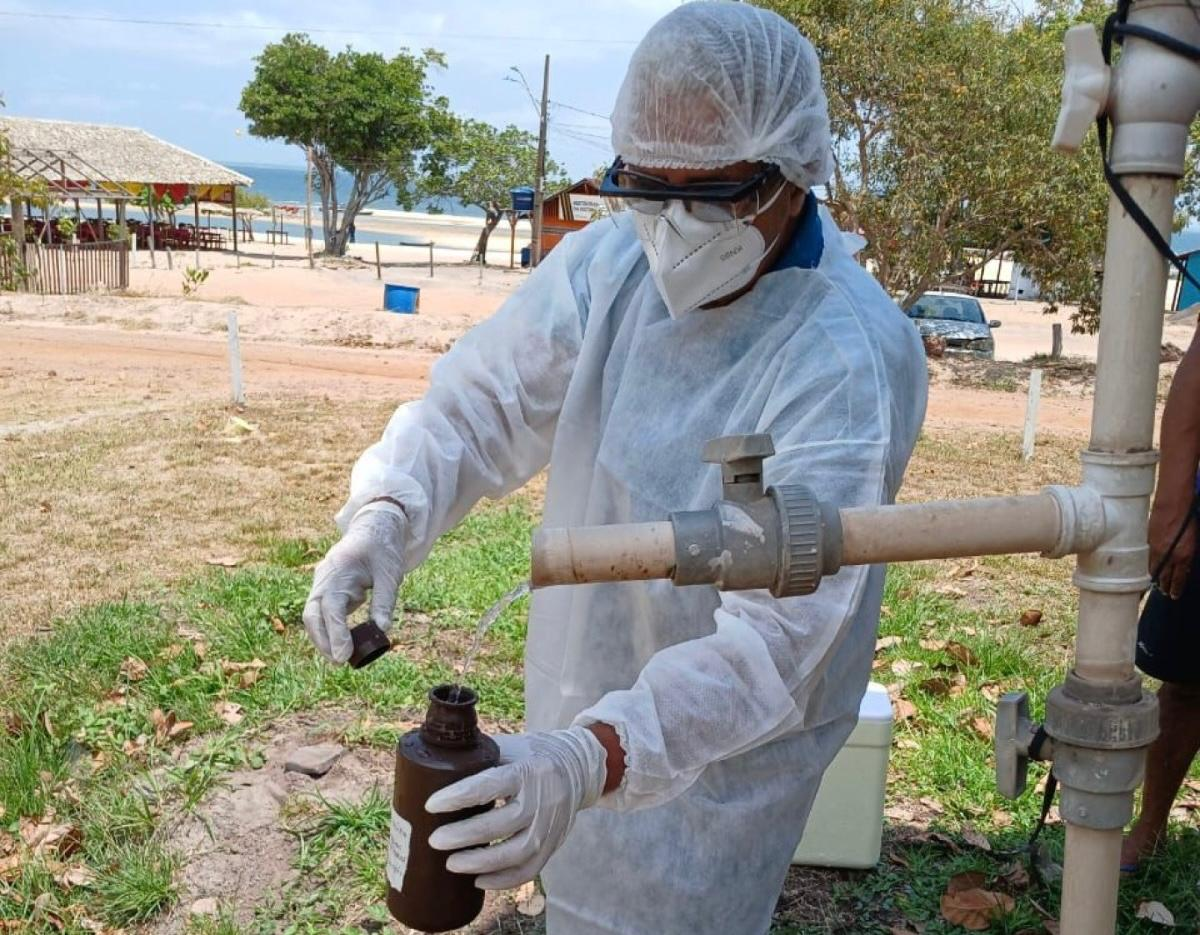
{"x": 845, "y": 827}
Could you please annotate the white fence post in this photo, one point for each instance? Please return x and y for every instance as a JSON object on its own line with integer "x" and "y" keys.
{"x": 235, "y": 359}
{"x": 1031, "y": 414}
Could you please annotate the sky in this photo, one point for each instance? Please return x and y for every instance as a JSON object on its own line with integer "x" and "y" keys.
{"x": 74, "y": 61}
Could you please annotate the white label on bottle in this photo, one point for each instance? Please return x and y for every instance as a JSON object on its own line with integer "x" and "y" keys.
{"x": 397, "y": 860}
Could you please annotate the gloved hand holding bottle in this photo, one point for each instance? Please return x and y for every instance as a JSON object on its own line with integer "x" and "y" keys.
{"x": 546, "y": 779}
{"x": 370, "y": 556}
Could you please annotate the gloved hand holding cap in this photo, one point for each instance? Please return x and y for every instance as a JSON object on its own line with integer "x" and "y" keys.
{"x": 370, "y": 556}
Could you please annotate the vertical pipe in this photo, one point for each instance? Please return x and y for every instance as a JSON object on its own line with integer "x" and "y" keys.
{"x": 1154, "y": 98}
{"x": 1135, "y": 281}
{"x": 1090, "y": 878}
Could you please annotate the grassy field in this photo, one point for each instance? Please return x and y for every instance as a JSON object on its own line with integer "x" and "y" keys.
{"x": 143, "y": 713}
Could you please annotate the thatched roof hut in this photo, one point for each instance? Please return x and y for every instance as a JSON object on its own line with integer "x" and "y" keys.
{"x": 122, "y": 155}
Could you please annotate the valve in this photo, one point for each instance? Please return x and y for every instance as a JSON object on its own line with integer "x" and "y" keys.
{"x": 1085, "y": 88}
{"x": 1018, "y": 740}
{"x": 741, "y": 458}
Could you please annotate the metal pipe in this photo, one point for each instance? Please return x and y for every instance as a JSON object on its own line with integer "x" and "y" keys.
{"x": 950, "y": 529}
{"x": 630, "y": 552}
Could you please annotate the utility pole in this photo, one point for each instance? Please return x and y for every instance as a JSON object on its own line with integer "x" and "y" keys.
{"x": 308, "y": 238}
{"x": 539, "y": 191}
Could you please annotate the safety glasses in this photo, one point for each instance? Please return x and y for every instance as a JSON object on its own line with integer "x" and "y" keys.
{"x": 708, "y": 201}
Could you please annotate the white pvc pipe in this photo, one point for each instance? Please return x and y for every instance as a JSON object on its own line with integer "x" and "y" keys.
{"x": 1090, "y": 879}
{"x": 1155, "y": 96}
{"x": 950, "y": 529}
{"x": 629, "y": 552}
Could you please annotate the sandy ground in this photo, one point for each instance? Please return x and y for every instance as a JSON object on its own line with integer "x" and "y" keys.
{"x": 1025, "y": 330}
{"x": 121, "y": 464}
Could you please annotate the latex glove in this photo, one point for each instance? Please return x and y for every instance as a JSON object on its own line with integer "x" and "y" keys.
{"x": 369, "y": 556}
{"x": 551, "y": 777}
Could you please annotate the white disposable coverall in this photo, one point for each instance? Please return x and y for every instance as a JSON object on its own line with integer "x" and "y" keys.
{"x": 729, "y": 706}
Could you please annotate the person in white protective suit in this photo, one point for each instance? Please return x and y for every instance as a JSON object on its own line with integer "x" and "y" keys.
{"x": 677, "y": 736}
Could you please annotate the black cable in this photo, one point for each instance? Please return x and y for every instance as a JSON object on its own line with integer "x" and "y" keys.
{"x": 1183, "y": 527}
{"x": 1115, "y": 30}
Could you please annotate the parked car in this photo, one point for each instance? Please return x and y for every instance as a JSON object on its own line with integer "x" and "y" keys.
{"x": 957, "y": 318}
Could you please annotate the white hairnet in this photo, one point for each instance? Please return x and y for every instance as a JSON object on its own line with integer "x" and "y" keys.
{"x": 714, "y": 83}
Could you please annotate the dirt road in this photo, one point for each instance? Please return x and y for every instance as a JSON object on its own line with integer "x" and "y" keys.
{"x": 61, "y": 374}
{"x": 57, "y": 374}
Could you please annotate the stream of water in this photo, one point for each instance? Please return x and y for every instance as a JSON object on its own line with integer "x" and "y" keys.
{"x": 485, "y": 623}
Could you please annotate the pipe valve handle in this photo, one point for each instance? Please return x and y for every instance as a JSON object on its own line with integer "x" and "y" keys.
{"x": 1014, "y": 730}
{"x": 1085, "y": 88}
{"x": 741, "y": 458}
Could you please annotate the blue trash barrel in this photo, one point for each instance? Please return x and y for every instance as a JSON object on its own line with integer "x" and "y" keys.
{"x": 522, "y": 199}
{"x": 396, "y": 298}
{"x": 526, "y": 257}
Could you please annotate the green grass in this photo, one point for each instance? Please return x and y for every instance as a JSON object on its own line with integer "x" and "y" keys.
{"x": 81, "y": 738}
{"x": 938, "y": 755}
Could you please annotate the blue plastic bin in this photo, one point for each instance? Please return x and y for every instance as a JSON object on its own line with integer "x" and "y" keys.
{"x": 522, "y": 199}
{"x": 526, "y": 256}
{"x": 404, "y": 299}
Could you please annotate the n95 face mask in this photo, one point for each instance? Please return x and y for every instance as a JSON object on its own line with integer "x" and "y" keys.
{"x": 695, "y": 262}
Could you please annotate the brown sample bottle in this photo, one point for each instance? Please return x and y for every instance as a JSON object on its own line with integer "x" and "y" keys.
{"x": 422, "y": 893}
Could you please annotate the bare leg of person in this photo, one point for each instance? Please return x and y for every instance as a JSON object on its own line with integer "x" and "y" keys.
{"x": 1167, "y": 763}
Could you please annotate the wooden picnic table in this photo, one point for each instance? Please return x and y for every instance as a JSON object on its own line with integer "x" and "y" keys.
{"x": 210, "y": 238}
{"x": 277, "y": 236}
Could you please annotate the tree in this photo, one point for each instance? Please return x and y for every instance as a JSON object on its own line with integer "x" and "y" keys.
{"x": 479, "y": 165}
{"x": 365, "y": 114}
{"x": 252, "y": 202}
{"x": 942, "y": 142}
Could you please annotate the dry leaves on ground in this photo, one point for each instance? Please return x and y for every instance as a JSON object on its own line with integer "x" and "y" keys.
{"x": 887, "y": 642}
{"x": 277, "y": 625}
{"x": 229, "y": 712}
{"x": 1015, "y": 876}
{"x": 935, "y": 646}
{"x": 904, "y": 709}
{"x": 976, "y": 838}
{"x": 983, "y": 727}
{"x": 45, "y": 836}
{"x": 14, "y": 724}
{"x": 247, "y": 672}
{"x": 68, "y": 877}
{"x": 968, "y": 904}
{"x": 134, "y": 669}
{"x": 168, "y": 726}
{"x": 905, "y": 667}
{"x": 223, "y": 561}
{"x": 943, "y": 686}
{"x": 963, "y": 655}
{"x": 1156, "y": 912}
{"x": 1031, "y": 618}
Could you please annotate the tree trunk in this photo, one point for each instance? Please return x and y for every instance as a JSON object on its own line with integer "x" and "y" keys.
{"x": 492, "y": 218}
{"x": 324, "y": 166}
